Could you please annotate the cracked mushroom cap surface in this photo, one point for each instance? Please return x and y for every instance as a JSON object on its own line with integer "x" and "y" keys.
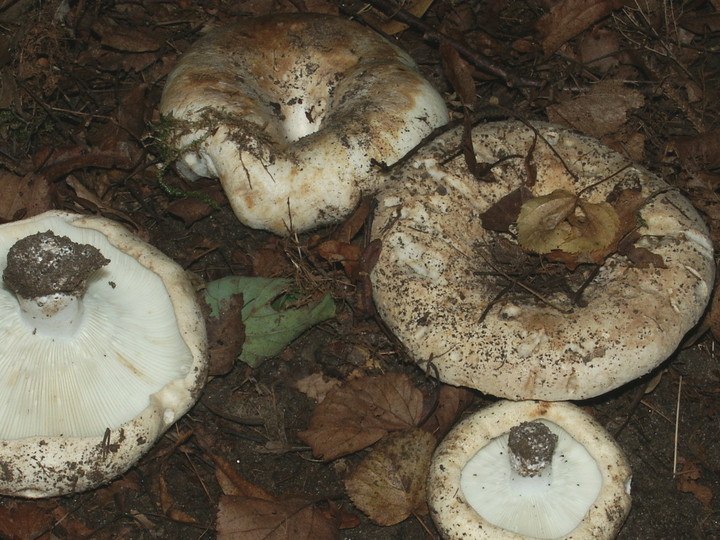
{"x": 82, "y": 400}
{"x": 295, "y": 114}
{"x": 472, "y": 492}
{"x": 437, "y": 286}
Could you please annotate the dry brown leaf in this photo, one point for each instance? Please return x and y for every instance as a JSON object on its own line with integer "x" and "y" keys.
{"x": 169, "y": 508}
{"x": 233, "y": 483}
{"x": 390, "y": 26}
{"x": 23, "y": 196}
{"x": 687, "y": 482}
{"x": 128, "y": 39}
{"x": 23, "y": 520}
{"x": 316, "y": 386}
{"x": 504, "y": 213}
{"x": 451, "y": 402}
{"x": 389, "y": 483}
{"x": 698, "y": 153}
{"x": 360, "y": 413}
{"x": 598, "y": 49}
{"x": 247, "y": 518}
{"x": 343, "y": 252}
{"x": 226, "y": 334}
{"x": 602, "y": 111}
{"x": 460, "y": 74}
{"x": 568, "y": 18}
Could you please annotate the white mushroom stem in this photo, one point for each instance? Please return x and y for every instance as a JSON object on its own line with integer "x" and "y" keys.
{"x": 49, "y": 274}
{"x": 54, "y": 315}
{"x": 531, "y": 446}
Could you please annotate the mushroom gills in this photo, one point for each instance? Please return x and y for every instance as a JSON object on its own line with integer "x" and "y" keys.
{"x": 548, "y": 504}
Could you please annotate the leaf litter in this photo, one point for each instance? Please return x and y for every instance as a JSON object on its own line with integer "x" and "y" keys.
{"x": 78, "y": 88}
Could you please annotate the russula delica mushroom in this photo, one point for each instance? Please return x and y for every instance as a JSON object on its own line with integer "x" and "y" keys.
{"x": 295, "y": 114}
{"x": 528, "y": 469}
{"x": 437, "y": 272}
{"x": 102, "y": 348}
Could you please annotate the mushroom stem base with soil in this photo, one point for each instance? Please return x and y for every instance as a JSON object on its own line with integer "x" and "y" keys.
{"x": 102, "y": 348}
{"x": 475, "y": 491}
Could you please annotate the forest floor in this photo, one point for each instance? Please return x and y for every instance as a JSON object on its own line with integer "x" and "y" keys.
{"x": 80, "y": 84}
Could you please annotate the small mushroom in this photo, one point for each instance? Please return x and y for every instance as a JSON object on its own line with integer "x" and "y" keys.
{"x": 439, "y": 286}
{"x": 526, "y": 469}
{"x": 103, "y": 347}
{"x": 296, "y": 114}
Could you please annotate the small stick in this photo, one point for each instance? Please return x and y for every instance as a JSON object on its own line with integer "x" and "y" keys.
{"x": 677, "y": 426}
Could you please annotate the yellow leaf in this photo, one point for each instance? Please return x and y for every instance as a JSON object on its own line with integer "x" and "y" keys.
{"x": 542, "y": 225}
{"x": 565, "y": 222}
{"x": 594, "y": 228}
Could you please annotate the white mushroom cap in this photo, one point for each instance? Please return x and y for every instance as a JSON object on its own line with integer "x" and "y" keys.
{"x": 431, "y": 282}
{"x": 78, "y": 408}
{"x": 293, "y": 113}
{"x": 473, "y": 492}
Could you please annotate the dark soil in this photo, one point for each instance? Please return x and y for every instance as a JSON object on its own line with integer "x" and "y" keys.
{"x": 79, "y": 87}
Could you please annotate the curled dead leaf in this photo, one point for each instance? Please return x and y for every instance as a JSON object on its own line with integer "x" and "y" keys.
{"x": 563, "y": 221}
{"x": 248, "y": 518}
{"x": 389, "y": 483}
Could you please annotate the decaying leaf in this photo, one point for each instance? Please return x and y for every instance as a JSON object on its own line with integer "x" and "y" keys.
{"x": 24, "y": 520}
{"x": 317, "y": 385}
{"x": 389, "y": 483}
{"x": 501, "y": 215}
{"x": 274, "y": 312}
{"x": 169, "y": 506}
{"x": 568, "y": 18}
{"x": 225, "y": 333}
{"x": 451, "y": 402}
{"x": 601, "y": 111}
{"x": 562, "y": 221}
{"x": 247, "y": 518}
{"x": 687, "y": 482}
{"x": 23, "y": 196}
{"x": 360, "y": 413}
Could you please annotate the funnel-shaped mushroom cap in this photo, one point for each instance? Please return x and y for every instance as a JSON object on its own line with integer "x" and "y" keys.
{"x": 447, "y": 289}
{"x": 89, "y": 382}
{"x": 473, "y": 491}
{"x": 295, "y": 114}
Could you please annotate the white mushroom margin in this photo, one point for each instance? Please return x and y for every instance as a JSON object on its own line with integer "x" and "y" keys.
{"x": 432, "y": 280}
{"x": 591, "y": 504}
{"x": 134, "y": 365}
{"x": 296, "y": 114}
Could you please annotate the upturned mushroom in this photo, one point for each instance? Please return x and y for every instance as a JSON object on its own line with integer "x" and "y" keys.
{"x": 296, "y": 114}
{"x": 529, "y": 470}
{"x": 441, "y": 286}
{"x": 102, "y": 348}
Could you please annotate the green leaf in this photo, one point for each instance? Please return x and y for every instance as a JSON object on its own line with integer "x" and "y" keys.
{"x": 274, "y": 312}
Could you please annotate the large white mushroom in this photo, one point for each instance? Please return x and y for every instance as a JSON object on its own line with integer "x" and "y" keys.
{"x": 439, "y": 282}
{"x": 529, "y": 470}
{"x": 102, "y": 348}
{"x": 295, "y": 114}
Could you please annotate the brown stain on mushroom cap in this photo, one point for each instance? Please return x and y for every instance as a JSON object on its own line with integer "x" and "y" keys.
{"x": 431, "y": 282}
{"x": 296, "y": 109}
